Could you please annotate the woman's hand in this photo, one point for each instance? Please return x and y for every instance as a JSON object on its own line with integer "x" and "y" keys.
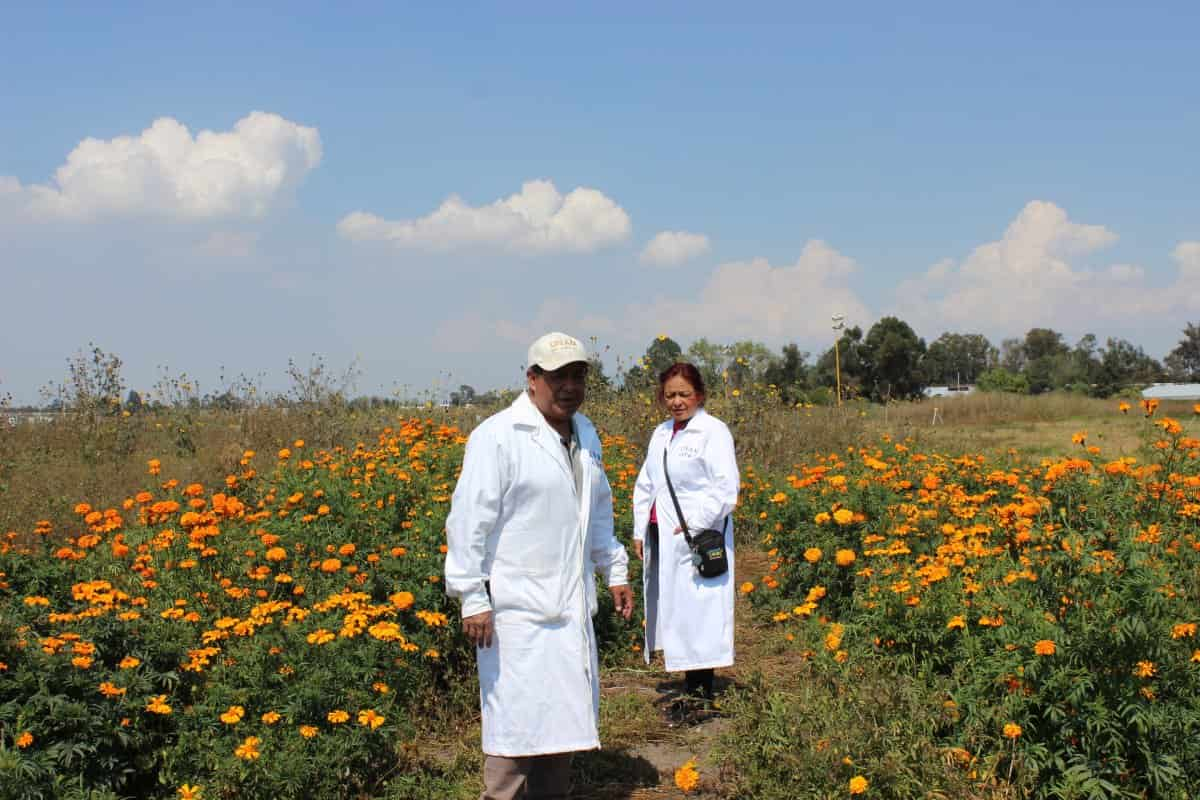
{"x": 637, "y": 548}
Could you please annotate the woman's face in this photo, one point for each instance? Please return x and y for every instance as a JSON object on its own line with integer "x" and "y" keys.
{"x": 681, "y": 398}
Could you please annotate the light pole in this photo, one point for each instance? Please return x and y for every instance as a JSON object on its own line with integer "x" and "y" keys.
{"x": 839, "y": 322}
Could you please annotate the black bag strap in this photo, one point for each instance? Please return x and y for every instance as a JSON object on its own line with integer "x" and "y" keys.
{"x": 675, "y": 500}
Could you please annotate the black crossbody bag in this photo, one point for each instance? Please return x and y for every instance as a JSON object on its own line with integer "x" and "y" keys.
{"x": 708, "y": 547}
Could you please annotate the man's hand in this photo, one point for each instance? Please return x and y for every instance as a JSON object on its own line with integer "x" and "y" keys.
{"x": 478, "y": 628}
{"x": 623, "y": 598}
{"x": 637, "y": 548}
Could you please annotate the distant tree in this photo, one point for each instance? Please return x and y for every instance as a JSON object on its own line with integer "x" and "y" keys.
{"x": 1183, "y": 363}
{"x": 662, "y": 353}
{"x": 1082, "y": 366}
{"x": 464, "y": 396}
{"x": 1124, "y": 364}
{"x": 958, "y": 358}
{"x": 1000, "y": 379}
{"x": 133, "y": 401}
{"x": 748, "y": 362}
{"x": 1012, "y": 355}
{"x": 1045, "y": 352}
{"x": 710, "y": 359}
{"x": 597, "y": 379}
{"x": 788, "y": 373}
{"x": 850, "y": 355}
{"x": 892, "y": 354}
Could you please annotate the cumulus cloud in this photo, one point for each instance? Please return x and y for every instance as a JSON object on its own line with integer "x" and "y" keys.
{"x": 672, "y": 248}
{"x": 536, "y": 220}
{"x": 1029, "y": 278}
{"x": 166, "y": 172}
{"x": 757, "y": 300}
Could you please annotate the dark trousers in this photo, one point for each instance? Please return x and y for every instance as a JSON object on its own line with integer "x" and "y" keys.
{"x": 699, "y": 683}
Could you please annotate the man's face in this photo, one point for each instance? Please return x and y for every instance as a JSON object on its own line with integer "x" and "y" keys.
{"x": 560, "y": 393}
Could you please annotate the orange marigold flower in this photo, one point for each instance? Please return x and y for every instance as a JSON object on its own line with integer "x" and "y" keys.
{"x": 747, "y": 587}
{"x": 270, "y": 718}
{"x": 331, "y": 565}
{"x": 402, "y": 600}
{"x": 233, "y": 715}
{"x": 843, "y": 516}
{"x": 158, "y": 705}
{"x": 337, "y": 716}
{"x": 845, "y": 558}
{"x": 956, "y": 622}
{"x": 1012, "y": 730}
{"x": 248, "y": 749}
{"x": 308, "y": 731}
{"x": 189, "y": 792}
{"x": 24, "y": 740}
{"x": 686, "y": 777}
{"x": 812, "y": 555}
{"x": 1044, "y": 647}
{"x": 1145, "y": 669}
{"x": 370, "y": 718}
{"x": 859, "y": 784}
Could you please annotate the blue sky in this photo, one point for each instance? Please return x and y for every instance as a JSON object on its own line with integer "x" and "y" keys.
{"x": 969, "y": 169}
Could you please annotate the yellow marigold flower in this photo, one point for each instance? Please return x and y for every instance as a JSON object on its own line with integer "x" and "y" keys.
{"x": 859, "y": 784}
{"x": 822, "y": 518}
{"x": 233, "y": 715}
{"x": 747, "y": 587}
{"x": 129, "y": 662}
{"x": 956, "y": 622}
{"x": 370, "y": 718}
{"x": 158, "y": 705}
{"x": 1183, "y": 630}
{"x": 1196, "y": 657}
{"x": 686, "y": 777}
{"x": 812, "y": 555}
{"x": 24, "y": 740}
{"x": 1012, "y": 730}
{"x": 270, "y": 718}
{"x": 1044, "y": 647}
{"x": 337, "y": 716}
{"x": 276, "y": 554}
{"x": 845, "y": 558}
{"x": 308, "y": 731}
{"x": 189, "y": 792}
{"x": 1145, "y": 669}
{"x": 248, "y": 749}
{"x": 321, "y": 636}
{"x": 843, "y": 516}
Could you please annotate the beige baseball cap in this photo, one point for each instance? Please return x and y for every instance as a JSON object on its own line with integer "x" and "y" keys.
{"x": 555, "y": 350}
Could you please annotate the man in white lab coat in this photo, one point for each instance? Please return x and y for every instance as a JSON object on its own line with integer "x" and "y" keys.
{"x": 530, "y": 524}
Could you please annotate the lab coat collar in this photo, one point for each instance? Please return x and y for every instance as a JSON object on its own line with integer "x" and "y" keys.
{"x": 700, "y": 422}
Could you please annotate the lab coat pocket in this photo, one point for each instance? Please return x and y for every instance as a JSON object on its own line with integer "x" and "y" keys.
{"x": 530, "y": 594}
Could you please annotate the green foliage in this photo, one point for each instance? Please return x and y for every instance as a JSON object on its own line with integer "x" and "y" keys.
{"x": 1002, "y": 380}
{"x": 1054, "y": 604}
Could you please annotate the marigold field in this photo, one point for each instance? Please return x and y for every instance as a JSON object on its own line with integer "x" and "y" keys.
{"x": 284, "y": 632}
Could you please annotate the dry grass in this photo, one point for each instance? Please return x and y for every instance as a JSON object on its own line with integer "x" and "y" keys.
{"x": 45, "y": 469}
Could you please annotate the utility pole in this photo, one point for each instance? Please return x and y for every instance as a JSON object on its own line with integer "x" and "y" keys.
{"x": 839, "y": 322}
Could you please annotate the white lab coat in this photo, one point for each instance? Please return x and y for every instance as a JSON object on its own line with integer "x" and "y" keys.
{"x": 688, "y": 617}
{"x": 517, "y": 523}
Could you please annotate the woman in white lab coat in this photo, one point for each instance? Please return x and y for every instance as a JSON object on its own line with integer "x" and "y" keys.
{"x": 688, "y": 617}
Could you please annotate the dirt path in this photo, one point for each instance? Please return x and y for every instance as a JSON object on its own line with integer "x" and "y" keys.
{"x": 648, "y": 735}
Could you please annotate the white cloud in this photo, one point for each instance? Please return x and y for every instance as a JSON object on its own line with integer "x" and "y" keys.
{"x": 538, "y": 219}
{"x": 672, "y": 248}
{"x": 1028, "y": 278}
{"x": 165, "y": 172}
{"x": 741, "y": 300}
{"x": 755, "y": 300}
